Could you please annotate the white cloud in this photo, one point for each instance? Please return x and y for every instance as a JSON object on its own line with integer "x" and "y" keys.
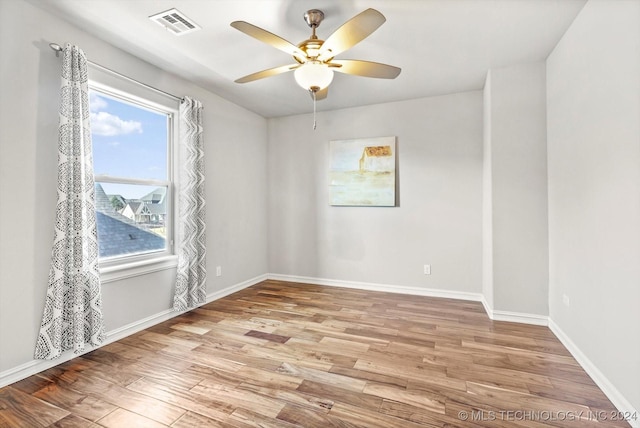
{"x": 96, "y": 102}
{"x": 106, "y": 124}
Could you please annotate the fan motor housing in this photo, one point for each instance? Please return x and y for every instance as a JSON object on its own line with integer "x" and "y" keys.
{"x": 311, "y": 47}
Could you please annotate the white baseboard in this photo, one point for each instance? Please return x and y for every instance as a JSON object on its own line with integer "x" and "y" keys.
{"x": 619, "y": 401}
{"x": 519, "y": 317}
{"x": 487, "y": 308}
{"x": 235, "y": 288}
{"x": 30, "y": 368}
{"x": 522, "y": 318}
{"x": 402, "y": 289}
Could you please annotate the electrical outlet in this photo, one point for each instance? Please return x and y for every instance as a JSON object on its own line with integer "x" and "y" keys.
{"x": 565, "y": 300}
{"x": 427, "y": 269}
{"x": 218, "y": 270}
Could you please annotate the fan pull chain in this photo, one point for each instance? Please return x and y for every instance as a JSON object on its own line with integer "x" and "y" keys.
{"x": 314, "y": 110}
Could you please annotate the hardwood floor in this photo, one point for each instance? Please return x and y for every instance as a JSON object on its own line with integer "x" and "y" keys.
{"x": 283, "y": 354}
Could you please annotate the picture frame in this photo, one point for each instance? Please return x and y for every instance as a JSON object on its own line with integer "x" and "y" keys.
{"x": 362, "y": 172}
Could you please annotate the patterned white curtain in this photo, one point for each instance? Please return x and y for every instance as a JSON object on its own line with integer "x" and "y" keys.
{"x": 73, "y": 308}
{"x": 191, "y": 288}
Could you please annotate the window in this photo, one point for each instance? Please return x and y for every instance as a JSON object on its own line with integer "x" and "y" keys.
{"x": 132, "y": 157}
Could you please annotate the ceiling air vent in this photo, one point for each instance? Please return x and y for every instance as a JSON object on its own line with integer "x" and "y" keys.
{"x": 175, "y": 21}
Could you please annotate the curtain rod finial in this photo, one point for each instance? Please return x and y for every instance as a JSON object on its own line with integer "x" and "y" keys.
{"x": 56, "y": 47}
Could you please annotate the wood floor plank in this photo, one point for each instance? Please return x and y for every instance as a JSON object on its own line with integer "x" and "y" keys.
{"x": 341, "y": 345}
{"x": 211, "y": 407}
{"x": 309, "y": 418}
{"x": 268, "y": 336}
{"x": 204, "y": 358}
{"x": 18, "y": 409}
{"x": 159, "y": 374}
{"x": 408, "y": 371}
{"x": 323, "y": 377}
{"x": 389, "y": 378}
{"x": 366, "y": 418}
{"x": 191, "y": 328}
{"x": 247, "y": 399}
{"x": 268, "y": 378}
{"x": 73, "y": 421}
{"x": 332, "y": 355}
{"x": 415, "y": 398}
{"x": 241, "y": 357}
{"x": 332, "y": 393}
{"x": 282, "y": 355}
{"x": 287, "y": 354}
{"x": 31, "y": 384}
{"x": 124, "y": 398}
{"x": 123, "y": 418}
{"x": 115, "y": 372}
{"x": 137, "y": 351}
{"x": 82, "y": 405}
{"x": 194, "y": 420}
{"x": 416, "y": 414}
{"x": 242, "y": 418}
{"x": 169, "y": 340}
{"x": 296, "y": 397}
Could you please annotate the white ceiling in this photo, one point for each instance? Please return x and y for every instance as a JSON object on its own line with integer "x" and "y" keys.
{"x": 442, "y": 46}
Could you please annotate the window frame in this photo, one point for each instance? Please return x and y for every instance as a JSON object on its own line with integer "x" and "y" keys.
{"x": 128, "y": 265}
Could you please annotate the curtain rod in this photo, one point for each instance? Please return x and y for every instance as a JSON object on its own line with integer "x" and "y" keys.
{"x": 57, "y": 48}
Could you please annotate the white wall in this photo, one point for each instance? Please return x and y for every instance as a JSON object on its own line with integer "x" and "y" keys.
{"x": 439, "y": 217}
{"x": 235, "y": 143}
{"x": 515, "y": 184}
{"x": 593, "y": 98}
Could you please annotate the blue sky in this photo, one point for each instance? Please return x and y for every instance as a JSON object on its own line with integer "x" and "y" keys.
{"x": 128, "y": 141}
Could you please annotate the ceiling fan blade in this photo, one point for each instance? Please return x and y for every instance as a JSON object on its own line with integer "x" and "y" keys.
{"x": 268, "y": 38}
{"x": 365, "y": 68}
{"x": 321, "y": 94}
{"x": 351, "y": 32}
{"x": 267, "y": 73}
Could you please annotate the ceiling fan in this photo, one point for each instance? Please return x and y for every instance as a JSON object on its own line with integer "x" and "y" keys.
{"x": 315, "y": 58}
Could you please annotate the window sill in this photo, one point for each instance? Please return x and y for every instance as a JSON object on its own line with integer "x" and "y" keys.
{"x": 133, "y": 269}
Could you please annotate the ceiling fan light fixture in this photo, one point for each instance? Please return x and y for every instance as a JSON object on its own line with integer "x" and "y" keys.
{"x": 313, "y": 76}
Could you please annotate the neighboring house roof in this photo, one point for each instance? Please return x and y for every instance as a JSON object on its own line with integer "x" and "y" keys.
{"x": 139, "y": 207}
{"x": 156, "y": 196}
{"x": 135, "y": 206}
{"x": 156, "y": 208}
{"x": 118, "y": 234}
{"x": 117, "y": 237}
{"x": 151, "y": 203}
{"x": 102, "y": 200}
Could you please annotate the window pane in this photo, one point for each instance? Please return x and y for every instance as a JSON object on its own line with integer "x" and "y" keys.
{"x": 128, "y": 140}
{"x": 131, "y": 218}
{"x": 131, "y": 142}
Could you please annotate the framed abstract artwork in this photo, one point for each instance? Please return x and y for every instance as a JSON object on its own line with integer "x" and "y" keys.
{"x": 362, "y": 172}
